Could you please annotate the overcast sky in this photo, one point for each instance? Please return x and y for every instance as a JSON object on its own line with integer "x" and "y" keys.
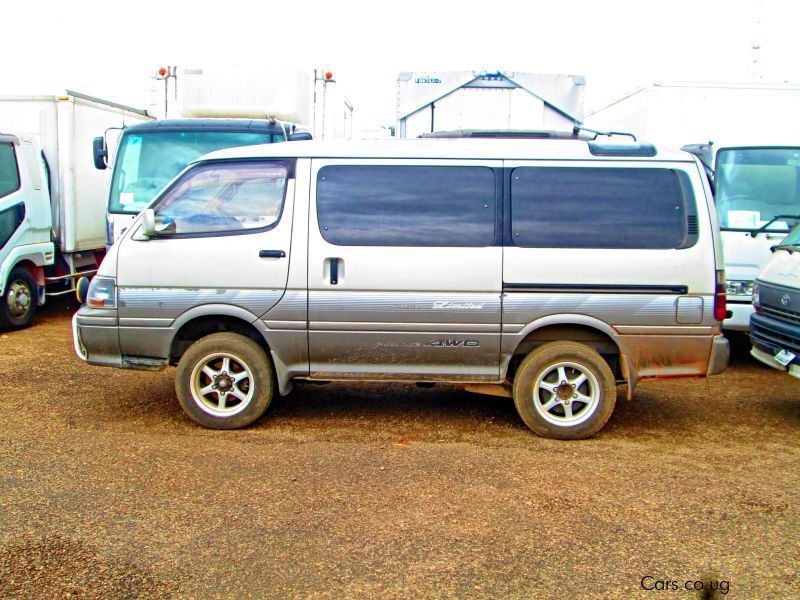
{"x": 110, "y": 49}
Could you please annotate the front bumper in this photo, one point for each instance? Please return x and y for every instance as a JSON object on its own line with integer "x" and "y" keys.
{"x": 740, "y": 316}
{"x": 95, "y": 337}
{"x": 769, "y": 336}
{"x": 773, "y": 335}
{"x": 76, "y": 339}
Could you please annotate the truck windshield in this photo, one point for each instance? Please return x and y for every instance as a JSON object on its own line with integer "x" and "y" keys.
{"x": 147, "y": 161}
{"x": 755, "y": 185}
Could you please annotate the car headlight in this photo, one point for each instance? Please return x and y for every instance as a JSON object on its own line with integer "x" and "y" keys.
{"x": 756, "y": 297}
{"x": 102, "y": 293}
{"x": 734, "y": 287}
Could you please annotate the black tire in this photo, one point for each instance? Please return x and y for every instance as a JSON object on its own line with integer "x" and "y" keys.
{"x": 248, "y": 369}
{"x": 18, "y": 304}
{"x": 556, "y": 367}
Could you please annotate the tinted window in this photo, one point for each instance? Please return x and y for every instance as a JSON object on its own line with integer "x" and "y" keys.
{"x": 406, "y": 206}
{"x": 9, "y": 175}
{"x": 224, "y": 197}
{"x": 597, "y": 208}
{"x": 10, "y": 219}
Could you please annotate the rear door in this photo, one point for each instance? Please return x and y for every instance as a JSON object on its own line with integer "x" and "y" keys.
{"x": 617, "y": 241}
{"x": 405, "y": 267}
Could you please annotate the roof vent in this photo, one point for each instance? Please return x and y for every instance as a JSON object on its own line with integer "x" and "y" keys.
{"x": 617, "y": 149}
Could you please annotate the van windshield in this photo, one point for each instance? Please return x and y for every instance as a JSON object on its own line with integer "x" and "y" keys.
{"x": 147, "y": 161}
{"x": 756, "y": 185}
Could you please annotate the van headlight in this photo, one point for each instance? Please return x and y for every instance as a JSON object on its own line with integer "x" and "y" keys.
{"x": 102, "y": 293}
{"x": 757, "y": 298}
{"x": 734, "y": 287}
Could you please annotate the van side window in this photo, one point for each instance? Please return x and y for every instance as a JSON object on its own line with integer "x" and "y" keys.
{"x": 430, "y": 206}
{"x": 9, "y": 174}
{"x": 223, "y": 198}
{"x": 567, "y": 207}
{"x": 10, "y": 220}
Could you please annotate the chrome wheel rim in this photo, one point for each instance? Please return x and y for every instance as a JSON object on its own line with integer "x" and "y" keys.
{"x": 222, "y": 384}
{"x": 566, "y": 394}
{"x": 18, "y": 298}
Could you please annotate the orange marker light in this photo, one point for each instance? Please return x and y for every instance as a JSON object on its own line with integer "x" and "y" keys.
{"x": 162, "y": 71}
{"x": 328, "y": 75}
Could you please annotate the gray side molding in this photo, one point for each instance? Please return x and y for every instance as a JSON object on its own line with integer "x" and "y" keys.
{"x": 214, "y": 310}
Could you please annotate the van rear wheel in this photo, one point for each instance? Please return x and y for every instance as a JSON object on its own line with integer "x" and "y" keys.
{"x": 564, "y": 391}
{"x": 19, "y": 300}
{"x": 225, "y": 381}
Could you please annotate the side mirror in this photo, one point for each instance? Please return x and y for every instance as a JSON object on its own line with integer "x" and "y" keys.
{"x": 100, "y": 153}
{"x": 148, "y": 222}
{"x": 299, "y": 136}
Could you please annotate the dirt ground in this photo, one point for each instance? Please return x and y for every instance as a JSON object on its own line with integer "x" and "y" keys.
{"x": 388, "y": 490}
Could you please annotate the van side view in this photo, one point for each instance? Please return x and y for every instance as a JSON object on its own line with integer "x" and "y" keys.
{"x": 545, "y": 270}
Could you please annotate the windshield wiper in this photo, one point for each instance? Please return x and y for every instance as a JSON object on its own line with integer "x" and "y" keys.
{"x": 763, "y": 228}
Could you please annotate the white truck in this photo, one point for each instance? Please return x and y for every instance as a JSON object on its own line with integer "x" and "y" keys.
{"x": 748, "y": 137}
{"x": 52, "y": 200}
{"x": 201, "y": 110}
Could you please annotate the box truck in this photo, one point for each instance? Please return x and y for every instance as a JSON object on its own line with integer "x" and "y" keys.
{"x": 203, "y": 110}
{"x": 52, "y": 200}
{"x": 748, "y": 137}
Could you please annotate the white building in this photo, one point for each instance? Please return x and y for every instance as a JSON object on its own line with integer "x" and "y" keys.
{"x": 448, "y": 100}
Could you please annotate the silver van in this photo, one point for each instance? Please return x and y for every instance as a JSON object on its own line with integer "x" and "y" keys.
{"x": 543, "y": 270}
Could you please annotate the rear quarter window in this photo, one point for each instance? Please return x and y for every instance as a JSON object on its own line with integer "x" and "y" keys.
{"x": 582, "y": 207}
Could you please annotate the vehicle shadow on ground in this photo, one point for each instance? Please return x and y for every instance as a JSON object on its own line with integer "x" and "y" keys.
{"x": 379, "y": 412}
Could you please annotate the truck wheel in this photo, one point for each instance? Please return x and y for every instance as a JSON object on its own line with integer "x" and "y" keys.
{"x": 19, "y": 300}
{"x": 564, "y": 391}
{"x": 225, "y": 381}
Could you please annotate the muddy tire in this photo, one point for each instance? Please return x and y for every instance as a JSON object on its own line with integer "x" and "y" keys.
{"x": 564, "y": 391}
{"x": 18, "y": 303}
{"x": 225, "y": 381}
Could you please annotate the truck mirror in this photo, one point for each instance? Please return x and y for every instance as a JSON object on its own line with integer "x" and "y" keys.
{"x": 299, "y": 136}
{"x": 82, "y": 289}
{"x": 100, "y": 153}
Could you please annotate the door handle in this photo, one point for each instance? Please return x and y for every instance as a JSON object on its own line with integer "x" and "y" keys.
{"x": 334, "y": 271}
{"x": 272, "y": 254}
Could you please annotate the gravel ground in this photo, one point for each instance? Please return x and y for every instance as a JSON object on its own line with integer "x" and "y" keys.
{"x": 366, "y": 490}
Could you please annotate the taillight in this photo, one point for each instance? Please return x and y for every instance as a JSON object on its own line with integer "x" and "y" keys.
{"x": 720, "y": 310}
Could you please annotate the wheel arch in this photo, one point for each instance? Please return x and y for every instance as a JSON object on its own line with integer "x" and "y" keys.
{"x": 594, "y": 333}
{"x": 35, "y": 271}
{"x": 205, "y": 320}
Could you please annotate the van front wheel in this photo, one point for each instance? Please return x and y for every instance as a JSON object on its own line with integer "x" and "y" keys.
{"x": 564, "y": 391}
{"x": 225, "y": 381}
